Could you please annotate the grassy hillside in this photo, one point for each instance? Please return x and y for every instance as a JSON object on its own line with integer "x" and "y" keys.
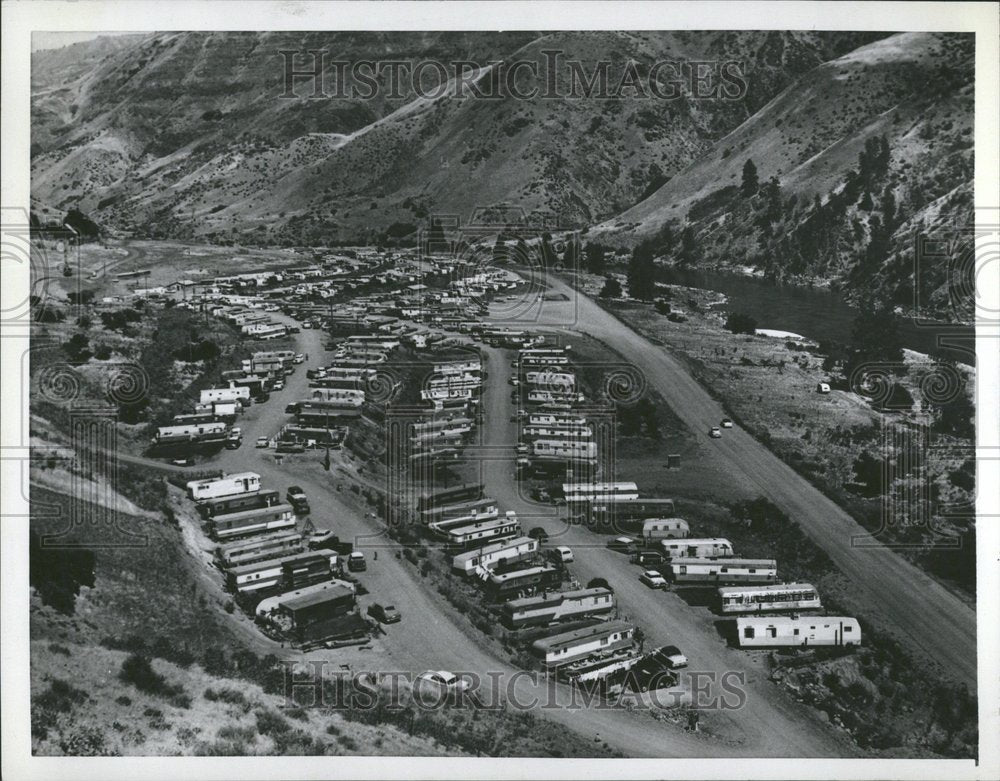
{"x": 186, "y": 135}
{"x": 852, "y": 160}
{"x": 134, "y": 651}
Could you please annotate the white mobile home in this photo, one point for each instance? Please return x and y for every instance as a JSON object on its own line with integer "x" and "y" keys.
{"x": 568, "y": 647}
{"x": 266, "y": 546}
{"x": 695, "y": 548}
{"x": 230, "y": 485}
{"x": 654, "y": 529}
{"x": 563, "y": 448}
{"x": 560, "y": 606}
{"x": 191, "y": 431}
{"x": 467, "y": 535}
{"x": 769, "y": 597}
{"x": 489, "y": 556}
{"x": 230, "y": 394}
{"x": 795, "y": 631}
{"x": 724, "y": 570}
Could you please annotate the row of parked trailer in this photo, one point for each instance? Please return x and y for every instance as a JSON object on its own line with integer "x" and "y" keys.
{"x": 746, "y": 587}
{"x": 268, "y": 562}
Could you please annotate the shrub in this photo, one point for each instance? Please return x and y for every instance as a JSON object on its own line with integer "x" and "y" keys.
{"x": 270, "y": 723}
{"x": 741, "y": 324}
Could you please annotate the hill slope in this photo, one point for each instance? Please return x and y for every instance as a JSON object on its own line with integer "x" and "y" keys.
{"x": 185, "y": 134}
{"x": 911, "y": 96}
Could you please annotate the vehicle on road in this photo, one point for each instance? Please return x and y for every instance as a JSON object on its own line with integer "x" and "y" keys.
{"x": 278, "y": 385}
{"x": 653, "y": 579}
{"x": 671, "y": 656}
{"x": 356, "y": 562}
{"x": 442, "y": 680}
{"x": 262, "y": 442}
{"x": 262, "y": 397}
{"x": 715, "y": 432}
{"x": 307, "y": 325}
{"x": 319, "y": 539}
{"x": 727, "y": 423}
{"x": 299, "y": 358}
{"x": 386, "y": 614}
{"x": 182, "y": 462}
{"x": 538, "y": 533}
{"x": 623, "y": 544}
{"x": 564, "y": 554}
{"x": 297, "y": 499}
{"x": 647, "y": 558}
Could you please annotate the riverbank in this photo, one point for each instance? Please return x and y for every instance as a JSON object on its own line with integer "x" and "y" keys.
{"x": 835, "y": 440}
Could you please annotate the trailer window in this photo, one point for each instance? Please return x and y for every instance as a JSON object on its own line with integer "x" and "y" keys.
{"x": 748, "y": 631}
{"x": 848, "y": 628}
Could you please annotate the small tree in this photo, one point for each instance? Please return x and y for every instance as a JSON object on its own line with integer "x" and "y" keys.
{"x": 612, "y": 288}
{"x": 740, "y": 323}
{"x": 751, "y": 182}
{"x": 594, "y": 257}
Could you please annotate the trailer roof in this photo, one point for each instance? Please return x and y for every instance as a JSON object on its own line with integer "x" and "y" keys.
{"x": 777, "y": 587}
{"x": 555, "y": 597}
{"x": 330, "y": 594}
{"x": 726, "y": 561}
{"x": 578, "y": 635}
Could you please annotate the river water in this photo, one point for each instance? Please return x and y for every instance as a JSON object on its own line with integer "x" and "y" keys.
{"x": 821, "y": 315}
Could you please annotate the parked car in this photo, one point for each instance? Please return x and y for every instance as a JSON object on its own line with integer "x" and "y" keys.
{"x": 278, "y": 385}
{"x": 386, "y": 614}
{"x": 299, "y": 358}
{"x": 647, "y": 557}
{"x": 622, "y": 544}
{"x": 321, "y": 539}
{"x": 442, "y": 680}
{"x": 727, "y": 423}
{"x": 357, "y": 562}
{"x": 715, "y": 432}
{"x": 671, "y": 656}
{"x": 653, "y": 579}
{"x": 564, "y": 554}
{"x": 263, "y": 396}
{"x": 538, "y": 533}
{"x": 182, "y": 462}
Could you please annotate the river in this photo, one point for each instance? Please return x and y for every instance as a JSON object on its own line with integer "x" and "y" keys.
{"x": 821, "y": 315}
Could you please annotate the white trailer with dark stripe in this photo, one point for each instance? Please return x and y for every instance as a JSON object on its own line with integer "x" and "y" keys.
{"x": 770, "y": 597}
{"x": 723, "y": 570}
{"x": 695, "y": 548}
{"x": 230, "y": 485}
{"x": 797, "y": 631}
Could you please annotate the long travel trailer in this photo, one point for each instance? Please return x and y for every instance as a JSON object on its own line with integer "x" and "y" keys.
{"x": 444, "y": 516}
{"x": 503, "y": 585}
{"x": 265, "y": 546}
{"x": 560, "y": 606}
{"x": 724, "y": 570}
{"x": 654, "y": 529}
{"x": 270, "y": 604}
{"x": 768, "y": 598}
{"x": 564, "y": 448}
{"x": 566, "y": 647}
{"x": 797, "y": 631}
{"x": 692, "y": 548}
{"x": 465, "y": 492}
{"x": 490, "y": 556}
{"x": 562, "y": 421}
{"x": 230, "y": 394}
{"x": 270, "y": 573}
{"x": 264, "y": 519}
{"x": 617, "y": 511}
{"x": 234, "y": 504}
{"x": 583, "y": 493}
{"x": 460, "y": 538}
{"x": 190, "y": 432}
{"x": 230, "y": 485}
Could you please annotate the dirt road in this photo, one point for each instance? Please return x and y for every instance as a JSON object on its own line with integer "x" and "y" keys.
{"x": 924, "y": 615}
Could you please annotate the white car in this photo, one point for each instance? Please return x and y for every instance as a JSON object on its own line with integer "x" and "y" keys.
{"x": 564, "y": 553}
{"x": 263, "y": 442}
{"x": 299, "y": 358}
{"x": 278, "y": 385}
{"x": 715, "y": 432}
{"x": 442, "y": 680}
{"x": 727, "y": 423}
{"x": 653, "y": 579}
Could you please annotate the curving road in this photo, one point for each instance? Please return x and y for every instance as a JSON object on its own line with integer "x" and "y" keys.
{"x": 428, "y": 638}
{"x": 926, "y": 617}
